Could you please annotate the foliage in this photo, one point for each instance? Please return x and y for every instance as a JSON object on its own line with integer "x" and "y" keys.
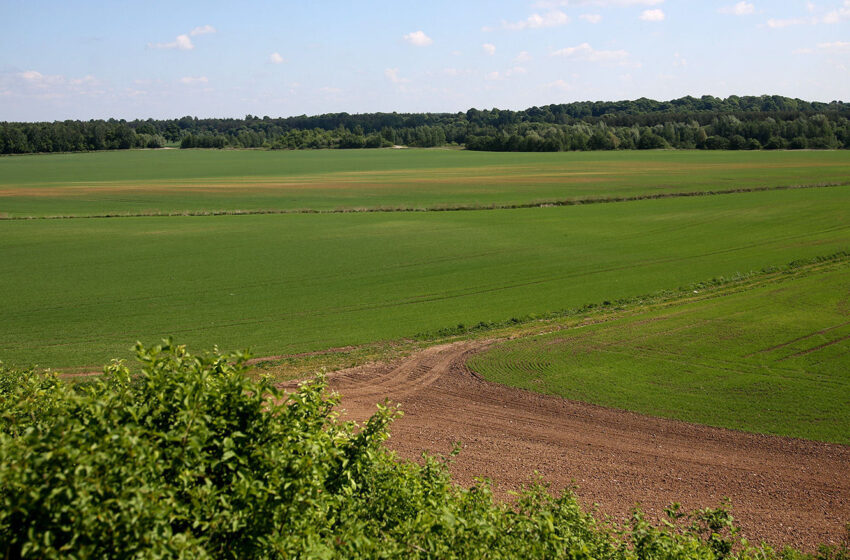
{"x": 638, "y": 124}
{"x": 191, "y": 459}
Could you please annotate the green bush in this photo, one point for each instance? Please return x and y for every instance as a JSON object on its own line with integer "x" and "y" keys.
{"x": 192, "y": 459}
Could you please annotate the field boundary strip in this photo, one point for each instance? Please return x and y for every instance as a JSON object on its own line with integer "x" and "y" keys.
{"x": 435, "y": 208}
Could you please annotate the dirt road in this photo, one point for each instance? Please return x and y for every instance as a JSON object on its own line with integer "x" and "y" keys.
{"x": 783, "y": 490}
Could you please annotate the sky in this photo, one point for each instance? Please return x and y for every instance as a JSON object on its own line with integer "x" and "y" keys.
{"x": 150, "y": 59}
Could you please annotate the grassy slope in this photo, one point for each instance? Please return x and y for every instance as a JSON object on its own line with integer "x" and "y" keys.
{"x": 209, "y": 180}
{"x": 76, "y": 292}
{"x": 769, "y": 356}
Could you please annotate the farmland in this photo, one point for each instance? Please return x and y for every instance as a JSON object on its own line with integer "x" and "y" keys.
{"x": 779, "y": 340}
{"x": 718, "y": 308}
{"x": 173, "y": 181}
{"x": 77, "y": 292}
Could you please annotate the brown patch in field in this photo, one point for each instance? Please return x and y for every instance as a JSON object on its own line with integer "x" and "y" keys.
{"x": 783, "y": 490}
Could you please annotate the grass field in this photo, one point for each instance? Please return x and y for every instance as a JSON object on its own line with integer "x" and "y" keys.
{"x": 769, "y": 356}
{"x": 78, "y": 292}
{"x": 174, "y": 181}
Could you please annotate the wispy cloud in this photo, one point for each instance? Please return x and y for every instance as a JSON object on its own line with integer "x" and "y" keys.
{"x": 34, "y": 84}
{"x": 552, "y": 18}
{"x": 739, "y": 9}
{"x": 184, "y": 42}
{"x": 591, "y": 18}
{"x": 510, "y": 72}
{"x": 561, "y": 85}
{"x": 652, "y": 15}
{"x": 275, "y": 58}
{"x": 418, "y": 38}
{"x": 489, "y": 48}
{"x": 392, "y": 75}
{"x": 202, "y": 30}
{"x": 523, "y": 56}
{"x": 838, "y": 15}
{"x": 193, "y": 80}
{"x": 585, "y": 52}
{"x": 543, "y": 4}
{"x": 782, "y": 23}
{"x": 833, "y": 47}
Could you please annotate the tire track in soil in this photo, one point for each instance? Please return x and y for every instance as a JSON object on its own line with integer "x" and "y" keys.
{"x": 783, "y": 490}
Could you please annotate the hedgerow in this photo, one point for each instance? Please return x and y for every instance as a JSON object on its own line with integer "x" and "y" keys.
{"x": 192, "y": 459}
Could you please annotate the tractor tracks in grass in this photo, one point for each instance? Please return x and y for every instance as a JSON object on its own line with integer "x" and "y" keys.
{"x": 783, "y": 490}
{"x": 449, "y": 207}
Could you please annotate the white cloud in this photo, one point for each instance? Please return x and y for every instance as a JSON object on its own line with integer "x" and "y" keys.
{"x": 182, "y": 42}
{"x": 587, "y": 53}
{"x": 678, "y": 61}
{"x": 523, "y": 56}
{"x": 392, "y": 75}
{"x": 781, "y": 23}
{"x": 515, "y": 71}
{"x": 418, "y": 38}
{"x": 837, "y": 15}
{"x": 739, "y": 9}
{"x": 192, "y": 80}
{"x": 591, "y": 18}
{"x": 600, "y": 3}
{"x": 552, "y": 18}
{"x": 202, "y": 30}
{"x": 275, "y": 58}
{"x": 34, "y": 84}
{"x": 560, "y": 85}
{"x": 833, "y": 47}
{"x": 652, "y": 15}
{"x": 32, "y": 76}
{"x": 489, "y": 48}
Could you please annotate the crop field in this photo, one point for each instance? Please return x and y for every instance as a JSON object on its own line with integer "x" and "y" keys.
{"x": 200, "y": 181}
{"x": 77, "y": 292}
{"x": 769, "y": 355}
{"x": 727, "y": 307}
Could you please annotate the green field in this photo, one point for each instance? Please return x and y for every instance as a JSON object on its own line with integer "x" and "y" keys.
{"x": 77, "y": 292}
{"x": 173, "y": 181}
{"x": 767, "y": 356}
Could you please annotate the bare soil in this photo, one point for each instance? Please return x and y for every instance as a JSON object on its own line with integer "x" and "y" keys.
{"x": 783, "y": 490}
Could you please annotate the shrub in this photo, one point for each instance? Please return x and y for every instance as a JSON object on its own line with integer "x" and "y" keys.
{"x": 192, "y": 459}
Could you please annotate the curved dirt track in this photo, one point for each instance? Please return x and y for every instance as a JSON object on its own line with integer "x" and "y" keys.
{"x": 783, "y": 490}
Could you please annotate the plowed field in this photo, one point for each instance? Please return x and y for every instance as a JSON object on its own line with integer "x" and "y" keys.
{"x": 783, "y": 490}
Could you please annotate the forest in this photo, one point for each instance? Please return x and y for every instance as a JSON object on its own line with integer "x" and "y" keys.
{"x": 709, "y": 123}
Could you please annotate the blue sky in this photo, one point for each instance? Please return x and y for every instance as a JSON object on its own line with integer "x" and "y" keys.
{"x": 83, "y": 60}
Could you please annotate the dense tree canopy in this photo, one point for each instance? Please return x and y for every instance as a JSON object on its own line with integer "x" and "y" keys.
{"x": 734, "y": 123}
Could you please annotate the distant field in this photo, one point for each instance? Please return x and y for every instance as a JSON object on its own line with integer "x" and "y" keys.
{"x": 78, "y": 292}
{"x": 769, "y": 357}
{"x": 167, "y": 181}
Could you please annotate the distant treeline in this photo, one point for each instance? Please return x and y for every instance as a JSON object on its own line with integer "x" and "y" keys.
{"x": 711, "y": 123}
